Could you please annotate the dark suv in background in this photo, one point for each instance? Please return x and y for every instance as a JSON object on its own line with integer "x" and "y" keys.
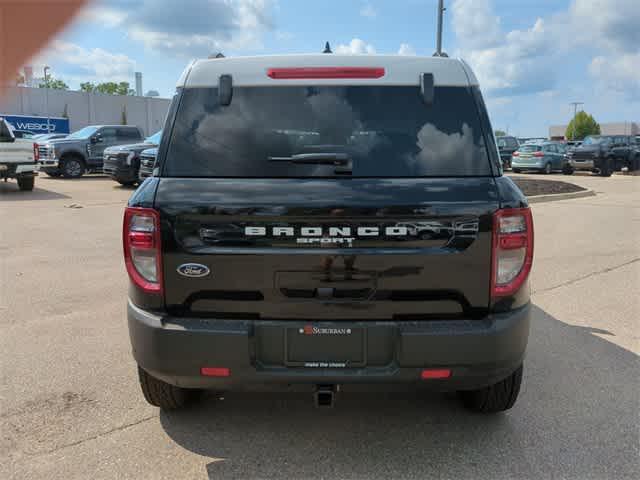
{"x": 83, "y": 150}
{"x": 603, "y": 154}
{"x": 506, "y": 146}
{"x": 122, "y": 163}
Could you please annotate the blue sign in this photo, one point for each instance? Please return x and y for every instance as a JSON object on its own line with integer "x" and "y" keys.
{"x": 37, "y": 124}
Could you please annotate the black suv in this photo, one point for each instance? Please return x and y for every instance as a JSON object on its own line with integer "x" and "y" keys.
{"x": 506, "y": 146}
{"x": 326, "y": 221}
{"x": 122, "y": 162}
{"x": 603, "y": 154}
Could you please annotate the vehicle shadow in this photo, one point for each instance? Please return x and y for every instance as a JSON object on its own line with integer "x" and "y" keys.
{"x": 576, "y": 418}
{"x": 10, "y": 192}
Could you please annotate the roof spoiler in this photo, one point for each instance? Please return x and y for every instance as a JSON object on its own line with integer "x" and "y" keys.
{"x": 225, "y": 89}
{"x": 427, "y": 89}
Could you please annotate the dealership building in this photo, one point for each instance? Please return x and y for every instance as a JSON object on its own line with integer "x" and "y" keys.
{"x": 556, "y": 132}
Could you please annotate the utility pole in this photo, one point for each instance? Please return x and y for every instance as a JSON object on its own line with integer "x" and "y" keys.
{"x": 441, "y": 10}
{"x": 46, "y": 98}
{"x": 575, "y": 113}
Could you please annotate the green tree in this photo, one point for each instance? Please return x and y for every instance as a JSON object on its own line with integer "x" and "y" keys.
{"x": 87, "y": 87}
{"x": 500, "y": 133}
{"x": 585, "y": 125}
{"x": 53, "y": 83}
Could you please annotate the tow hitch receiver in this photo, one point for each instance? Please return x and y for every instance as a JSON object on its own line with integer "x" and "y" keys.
{"x": 324, "y": 396}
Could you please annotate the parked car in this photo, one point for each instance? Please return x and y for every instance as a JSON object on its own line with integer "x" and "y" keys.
{"x": 44, "y": 137}
{"x": 544, "y": 157}
{"x": 602, "y": 154}
{"x": 83, "y": 151}
{"x": 147, "y": 162}
{"x": 18, "y": 158}
{"x": 122, "y": 163}
{"x": 506, "y": 146}
{"x": 262, "y": 256}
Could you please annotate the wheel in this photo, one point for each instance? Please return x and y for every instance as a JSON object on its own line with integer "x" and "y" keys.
{"x": 515, "y": 170}
{"x": 73, "y": 167}
{"x": 161, "y": 394}
{"x": 495, "y": 398}
{"x": 26, "y": 183}
{"x": 126, "y": 184}
{"x": 605, "y": 171}
{"x": 54, "y": 173}
{"x": 547, "y": 168}
{"x": 567, "y": 170}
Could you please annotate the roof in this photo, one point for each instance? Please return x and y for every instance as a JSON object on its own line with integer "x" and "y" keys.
{"x": 398, "y": 70}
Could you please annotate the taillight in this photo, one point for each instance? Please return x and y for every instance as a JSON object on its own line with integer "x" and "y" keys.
{"x": 142, "y": 253}
{"x": 36, "y": 152}
{"x": 512, "y": 250}
{"x": 516, "y": 154}
{"x": 325, "y": 72}
{"x": 538, "y": 154}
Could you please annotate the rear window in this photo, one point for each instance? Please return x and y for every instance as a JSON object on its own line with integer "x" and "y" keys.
{"x": 530, "y": 148}
{"x": 383, "y": 131}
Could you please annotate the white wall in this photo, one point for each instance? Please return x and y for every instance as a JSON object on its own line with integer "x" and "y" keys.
{"x": 86, "y": 108}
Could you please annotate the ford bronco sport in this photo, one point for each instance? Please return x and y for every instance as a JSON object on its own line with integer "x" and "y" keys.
{"x": 325, "y": 221}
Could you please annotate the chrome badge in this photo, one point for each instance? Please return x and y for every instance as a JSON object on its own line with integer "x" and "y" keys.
{"x": 193, "y": 270}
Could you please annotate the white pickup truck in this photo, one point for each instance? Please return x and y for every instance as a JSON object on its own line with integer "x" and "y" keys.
{"x": 18, "y": 158}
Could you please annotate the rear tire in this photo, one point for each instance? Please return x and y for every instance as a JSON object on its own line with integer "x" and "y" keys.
{"x": 126, "y": 184}
{"x": 605, "y": 171}
{"x": 547, "y": 168}
{"x": 73, "y": 167}
{"x": 26, "y": 183}
{"x": 516, "y": 170}
{"x": 161, "y": 394}
{"x": 495, "y": 398}
{"x": 567, "y": 170}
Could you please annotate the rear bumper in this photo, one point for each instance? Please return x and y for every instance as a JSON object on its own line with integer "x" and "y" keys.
{"x": 478, "y": 352}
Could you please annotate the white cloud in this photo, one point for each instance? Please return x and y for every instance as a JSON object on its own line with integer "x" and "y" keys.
{"x": 356, "y": 46}
{"x": 188, "y": 28}
{"x": 368, "y": 11}
{"x": 284, "y": 35}
{"x": 528, "y": 60}
{"x": 73, "y": 62}
{"x": 406, "y": 49}
{"x": 618, "y": 73}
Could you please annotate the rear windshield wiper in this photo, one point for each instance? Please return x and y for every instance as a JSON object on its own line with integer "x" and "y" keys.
{"x": 320, "y": 158}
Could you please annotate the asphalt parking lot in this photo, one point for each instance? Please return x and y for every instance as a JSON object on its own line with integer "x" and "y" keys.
{"x": 70, "y": 405}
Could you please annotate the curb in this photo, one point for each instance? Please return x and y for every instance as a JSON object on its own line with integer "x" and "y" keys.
{"x": 560, "y": 196}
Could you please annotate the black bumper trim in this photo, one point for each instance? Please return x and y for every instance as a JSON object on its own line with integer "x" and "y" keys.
{"x": 478, "y": 352}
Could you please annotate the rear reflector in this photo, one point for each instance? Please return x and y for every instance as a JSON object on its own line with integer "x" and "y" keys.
{"x": 215, "y": 372}
{"x": 431, "y": 374}
{"x": 325, "y": 72}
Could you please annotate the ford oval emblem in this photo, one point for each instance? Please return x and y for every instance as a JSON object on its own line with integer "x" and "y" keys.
{"x": 193, "y": 270}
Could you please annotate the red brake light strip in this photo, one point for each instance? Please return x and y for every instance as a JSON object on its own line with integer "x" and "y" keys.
{"x": 325, "y": 72}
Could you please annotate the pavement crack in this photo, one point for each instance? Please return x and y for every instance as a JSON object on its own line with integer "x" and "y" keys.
{"x": 584, "y": 277}
{"x": 93, "y": 437}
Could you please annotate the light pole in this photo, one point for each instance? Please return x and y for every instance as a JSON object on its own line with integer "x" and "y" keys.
{"x": 441, "y": 10}
{"x": 46, "y": 97}
{"x": 575, "y": 113}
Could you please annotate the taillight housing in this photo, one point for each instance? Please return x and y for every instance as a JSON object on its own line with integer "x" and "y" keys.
{"x": 516, "y": 154}
{"x": 538, "y": 154}
{"x": 36, "y": 152}
{"x": 512, "y": 255}
{"x": 142, "y": 248}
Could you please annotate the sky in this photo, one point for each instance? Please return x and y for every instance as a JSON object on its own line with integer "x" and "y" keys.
{"x": 532, "y": 57}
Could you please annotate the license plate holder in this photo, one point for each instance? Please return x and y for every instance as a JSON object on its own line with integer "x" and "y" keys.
{"x": 325, "y": 346}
